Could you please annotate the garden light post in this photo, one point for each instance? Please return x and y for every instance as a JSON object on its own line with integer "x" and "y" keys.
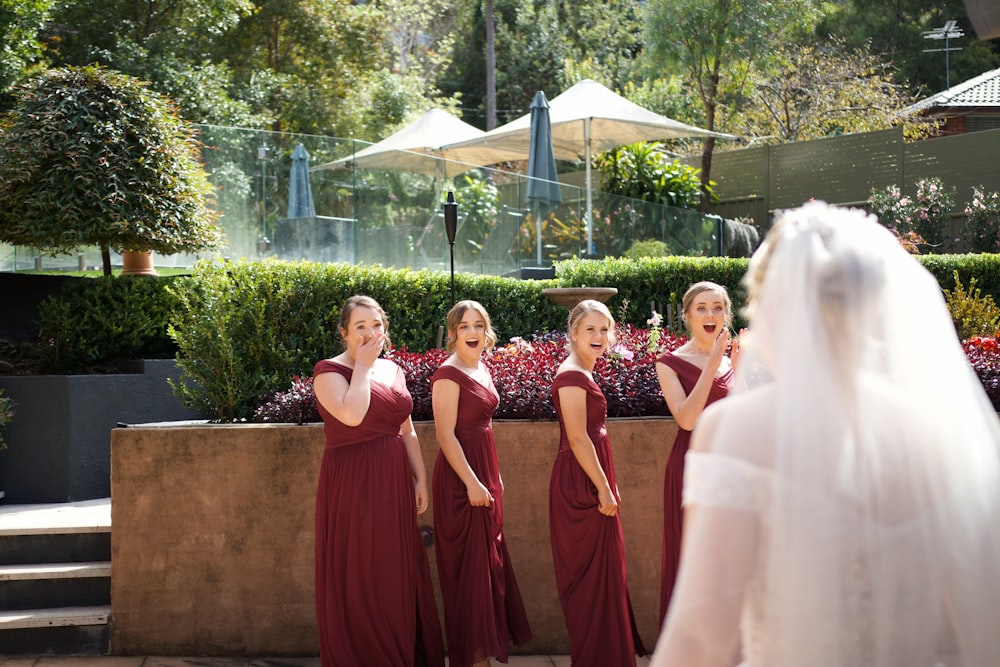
{"x": 450, "y": 228}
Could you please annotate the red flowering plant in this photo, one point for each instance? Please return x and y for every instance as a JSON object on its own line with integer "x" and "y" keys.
{"x": 984, "y": 356}
{"x": 522, "y": 372}
{"x": 295, "y": 406}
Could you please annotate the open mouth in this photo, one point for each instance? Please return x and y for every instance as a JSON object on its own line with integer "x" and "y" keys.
{"x": 709, "y": 328}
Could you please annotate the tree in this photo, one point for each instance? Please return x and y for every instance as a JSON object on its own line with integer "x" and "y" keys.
{"x": 89, "y": 156}
{"x": 820, "y": 91}
{"x": 894, "y": 30}
{"x": 20, "y": 23}
{"x": 713, "y": 39}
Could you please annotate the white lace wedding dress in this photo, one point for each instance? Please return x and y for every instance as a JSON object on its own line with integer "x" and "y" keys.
{"x": 728, "y": 483}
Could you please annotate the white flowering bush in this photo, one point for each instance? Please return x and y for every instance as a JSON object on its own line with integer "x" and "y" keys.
{"x": 982, "y": 221}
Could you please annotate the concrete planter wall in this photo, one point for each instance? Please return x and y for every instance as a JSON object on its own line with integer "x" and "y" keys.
{"x": 212, "y": 546}
{"x": 58, "y": 443}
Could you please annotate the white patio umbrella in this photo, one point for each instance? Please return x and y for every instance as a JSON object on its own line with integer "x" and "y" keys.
{"x": 417, "y": 148}
{"x": 587, "y": 118}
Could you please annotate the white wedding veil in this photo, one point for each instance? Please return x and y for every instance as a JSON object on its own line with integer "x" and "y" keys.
{"x": 843, "y": 503}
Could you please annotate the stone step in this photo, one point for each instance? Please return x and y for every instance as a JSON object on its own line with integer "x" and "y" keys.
{"x": 60, "y": 631}
{"x": 56, "y": 617}
{"x": 55, "y": 578}
{"x": 55, "y": 585}
{"x": 55, "y": 571}
{"x": 63, "y": 532}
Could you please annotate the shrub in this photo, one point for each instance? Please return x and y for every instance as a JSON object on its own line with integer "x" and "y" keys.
{"x": 95, "y": 322}
{"x": 926, "y": 214}
{"x": 89, "y": 156}
{"x": 643, "y": 171}
{"x": 982, "y": 221}
{"x": 651, "y": 283}
{"x": 984, "y": 356}
{"x": 6, "y": 414}
{"x": 972, "y": 313}
{"x": 295, "y": 406}
{"x": 523, "y": 374}
{"x": 243, "y": 328}
{"x": 647, "y": 248}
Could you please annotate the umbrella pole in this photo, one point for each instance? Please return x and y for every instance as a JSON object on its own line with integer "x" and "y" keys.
{"x": 589, "y": 216}
{"x": 538, "y": 238}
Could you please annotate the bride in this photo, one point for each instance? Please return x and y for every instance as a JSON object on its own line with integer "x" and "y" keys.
{"x": 842, "y": 506}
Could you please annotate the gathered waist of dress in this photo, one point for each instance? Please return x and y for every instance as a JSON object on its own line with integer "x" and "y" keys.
{"x": 372, "y": 439}
{"x": 471, "y": 431}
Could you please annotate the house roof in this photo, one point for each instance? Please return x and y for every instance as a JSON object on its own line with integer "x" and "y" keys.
{"x": 980, "y": 91}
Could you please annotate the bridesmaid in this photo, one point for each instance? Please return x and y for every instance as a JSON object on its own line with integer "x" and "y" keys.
{"x": 588, "y": 545}
{"x": 374, "y": 598}
{"x": 694, "y": 375}
{"x": 482, "y": 603}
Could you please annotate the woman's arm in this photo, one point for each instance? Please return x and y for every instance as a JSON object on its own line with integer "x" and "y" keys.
{"x": 349, "y": 402}
{"x": 573, "y": 401}
{"x": 686, "y": 408}
{"x": 416, "y": 460}
{"x": 444, "y": 399}
{"x": 702, "y": 628}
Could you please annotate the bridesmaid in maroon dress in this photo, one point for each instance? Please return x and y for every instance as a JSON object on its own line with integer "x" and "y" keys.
{"x": 588, "y": 545}
{"x": 692, "y": 376}
{"x": 482, "y": 603}
{"x": 374, "y": 598}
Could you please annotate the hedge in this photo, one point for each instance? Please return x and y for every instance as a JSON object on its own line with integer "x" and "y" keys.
{"x": 244, "y": 329}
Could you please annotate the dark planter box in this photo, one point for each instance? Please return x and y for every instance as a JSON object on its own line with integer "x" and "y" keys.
{"x": 59, "y": 441}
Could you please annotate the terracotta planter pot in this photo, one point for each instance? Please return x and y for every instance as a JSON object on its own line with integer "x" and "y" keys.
{"x": 138, "y": 263}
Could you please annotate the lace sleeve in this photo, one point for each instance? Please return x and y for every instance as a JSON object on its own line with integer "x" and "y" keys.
{"x": 714, "y": 480}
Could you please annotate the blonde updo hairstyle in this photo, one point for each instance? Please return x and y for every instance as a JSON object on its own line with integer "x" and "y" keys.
{"x": 455, "y": 316}
{"x": 345, "y": 317}
{"x": 698, "y": 288}
{"x": 583, "y": 309}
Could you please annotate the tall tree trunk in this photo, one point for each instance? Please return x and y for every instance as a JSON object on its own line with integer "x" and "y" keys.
{"x": 106, "y": 260}
{"x": 491, "y": 68}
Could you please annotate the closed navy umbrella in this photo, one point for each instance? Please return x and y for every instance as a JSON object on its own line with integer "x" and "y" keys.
{"x": 300, "y": 198}
{"x": 543, "y": 183}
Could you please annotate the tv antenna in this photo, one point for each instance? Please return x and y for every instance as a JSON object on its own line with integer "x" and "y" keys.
{"x": 947, "y": 32}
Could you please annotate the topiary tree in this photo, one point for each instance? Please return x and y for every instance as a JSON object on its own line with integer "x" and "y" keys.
{"x": 89, "y": 156}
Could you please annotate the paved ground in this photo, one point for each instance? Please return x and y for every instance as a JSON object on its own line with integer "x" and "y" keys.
{"x": 97, "y": 514}
{"x": 146, "y": 661}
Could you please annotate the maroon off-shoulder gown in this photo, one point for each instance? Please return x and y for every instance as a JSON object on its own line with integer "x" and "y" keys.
{"x": 483, "y": 609}
{"x": 374, "y": 598}
{"x": 588, "y": 548}
{"x": 673, "y": 476}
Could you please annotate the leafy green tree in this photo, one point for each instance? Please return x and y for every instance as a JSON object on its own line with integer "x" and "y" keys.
{"x": 819, "y": 91}
{"x": 604, "y": 40}
{"x": 714, "y": 41}
{"x": 20, "y": 24}
{"x": 313, "y": 56}
{"x": 90, "y": 156}
{"x": 894, "y": 29}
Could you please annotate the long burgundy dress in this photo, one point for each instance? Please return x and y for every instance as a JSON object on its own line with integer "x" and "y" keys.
{"x": 588, "y": 548}
{"x": 482, "y": 603}
{"x": 673, "y": 476}
{"x": 374, "y": 598}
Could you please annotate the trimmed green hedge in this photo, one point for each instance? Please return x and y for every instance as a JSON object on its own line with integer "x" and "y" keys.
{"x": 662, "y": 280}
{"x": 100, "y": 321}
{"x": 244, "y": 329}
